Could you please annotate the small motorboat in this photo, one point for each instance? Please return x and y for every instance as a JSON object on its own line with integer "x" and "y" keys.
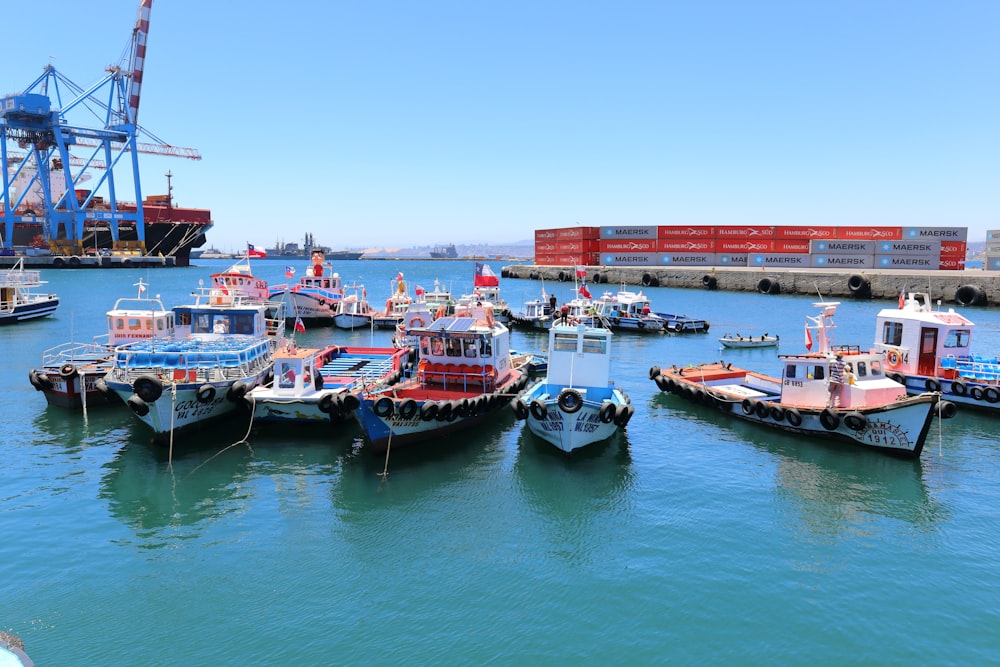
{"x": 575, "y": 404}
{"x": 19, "y": 301}
{"x": 739, "y": 340}
{"x": 840, "y": 392}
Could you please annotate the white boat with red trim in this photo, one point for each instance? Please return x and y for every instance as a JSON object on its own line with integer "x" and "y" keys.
{"x": 316, "y": 385}
{"x": 931, "y": 350}
{"x": 866, "y": 409}
{"x": 395, "y": 306}
{"x": 72, "y": 374}
{"x": 315, "y": 296}
{"x": 353, "y": 310}
{"x": 464, "y": 376}
{"x": 576, "y": 404}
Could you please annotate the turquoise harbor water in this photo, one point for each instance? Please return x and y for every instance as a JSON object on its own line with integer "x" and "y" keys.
{"x": 690, "y": 539}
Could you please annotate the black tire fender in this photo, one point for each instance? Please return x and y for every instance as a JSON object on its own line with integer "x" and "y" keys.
{"x": 538, "y": 410}
{"x": 946, "y": 409}
{"x": 829, "y": 419}
{"x": 607, "y": 412}
{"x": 855, "y": 421}
{"x": 148, "y": 388}
{"x": 749, "y": 406}
{"x": 653, "y": 372}
{"x": 67, "y": 371}
{"x": 206, "y": 394}
{"x": 383, "y": 407}
{"x": 793, "y": 417}
{"x": 429, "y": 410}
{"x": 408, "y": 409}
{"x": 959, "y": 388}
{"x": 570, "y": 401}
{"x": 325, "y": 404}
{"x": 932, "y": 385}
{"x": 139, "y": 406}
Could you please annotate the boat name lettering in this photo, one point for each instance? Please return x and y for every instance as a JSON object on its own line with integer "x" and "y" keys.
{"x": 793, "y": 383}
{"x": 194, "y": 409}
{"x": 588, "y": 424}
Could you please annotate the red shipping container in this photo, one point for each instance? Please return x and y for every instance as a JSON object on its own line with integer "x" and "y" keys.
{"x": 546, "y": 248}
{"x": 869, "y": 233}
{"x": 744, "y": 245}
{"x": 545, "y": 234}
{"x": 788, "y": 245}
{"x": 688, "y": 232}
{"x": 952, "y": 263}
{"x": 578, "y": 233}
{"x": 953, "y": 248}
{"x": 627, "y": 245}
{"x": 578, "y": 246}
{"x": 804, "y": 233}
{"x": 747, "y": 232}
{"x": 688, "y": 245}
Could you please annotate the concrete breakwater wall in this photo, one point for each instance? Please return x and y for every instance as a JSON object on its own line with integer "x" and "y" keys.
{"x": 965, "y": 288}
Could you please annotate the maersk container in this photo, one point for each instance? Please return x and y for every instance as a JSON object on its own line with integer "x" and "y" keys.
{"x": 992, "y": 263}
{"x": 687, "y": 259}
{"x": 909, "y": 248}
{"x": 731, "y": 259}
{"x": 628, "y": 232}
{"x": 842, "y": 247}
{"x": 778, "y": 260}
{"x": 936, "y": 233}
{"x": 907, "y": 262}
{"x": 630, "y": 258}
{"x": 845, "y": 262}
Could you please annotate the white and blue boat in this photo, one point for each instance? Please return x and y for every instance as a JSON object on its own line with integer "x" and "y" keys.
{"x": 575, "y": 404}
{"x": 314, "y": 298}
{"x": 19, "y": 300}
{"x": 223, "y": 347}
{"x": 632, "y": 311}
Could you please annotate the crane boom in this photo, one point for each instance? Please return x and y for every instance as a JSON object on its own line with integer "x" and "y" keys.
{"x": 138, "y": 58}
{"x": 155, "y": 149}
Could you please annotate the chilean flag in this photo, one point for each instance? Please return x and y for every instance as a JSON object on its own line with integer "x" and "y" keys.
{"x": 418, "y": 290}
{"x": 299, "y": 326}
{"x": 809, "y": 338}
{"x": 252, "y": 251}
{"x": 581, "y": 272}
{"x": 584, "y": 292}
{"x": 289, "y": 271}
{"x": 485, "y": 276}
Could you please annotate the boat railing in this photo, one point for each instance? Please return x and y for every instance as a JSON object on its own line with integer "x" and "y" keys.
{"x": 77, "y": 353}
{"x": 191, "y": 366}
{"x": 457, "y": 377}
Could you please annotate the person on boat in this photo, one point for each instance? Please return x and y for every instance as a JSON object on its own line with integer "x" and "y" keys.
{"x": 221, "y": 326}
{"x": 553, "y": 302}
{"x": 645, "y": 310}
{"x": 564, "y": 314}
{"x": 835, "y": 382}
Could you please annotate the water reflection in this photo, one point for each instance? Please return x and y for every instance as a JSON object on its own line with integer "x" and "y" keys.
{"x": 828, "y": 487}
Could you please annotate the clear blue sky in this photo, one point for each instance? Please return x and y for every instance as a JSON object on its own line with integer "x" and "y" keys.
{"x": 374, "y": 124}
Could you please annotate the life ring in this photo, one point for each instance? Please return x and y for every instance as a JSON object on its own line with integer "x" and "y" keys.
{"x": 932, "y": 385}
{"x": 67, "y": 371}
{"x": 959, "y": 388}
{"x": 893, "y": 359}
{"x": 325, "y": 404}
{"x": 205, "y": 394}
{"x": 383, "y": 407}
{"x": 139, "y": 406}
{"x": 538, "y": 410}
{"x": 428, "y": 410}
{"x": 237, "y": 391}
{"x": 749, "y": 406}
{"x": 793, "y": 417}
{"x": 829, "y": 419}
{"x": 408, "y": 408}
{"x": 570, "y": 401}
{"x": 418, "y": 323}
{"x": 623, "y": 414}
{"x": 855, "y": 421}
{"x": 946, "y": 409}
{"x": 148, "y": 388}
{"x": 607, "y": 412}
{"x": 991, "y": 394}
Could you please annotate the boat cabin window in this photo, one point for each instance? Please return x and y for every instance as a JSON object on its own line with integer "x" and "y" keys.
{"x": 790, "y": 371}
{"x": 437, "y": 346}
{"x": 485, "y": 348}
{"x": 470, "y": 347}
{"x": 892, "y": 333}
{"x": 819, "y": 372}
{"x": 184, "y": 318}
{"x": 135, "y": 323}
{"x": 202, "y": 323}
{"x": 286, "y": 375}
{"x": 595, "y": 344}
{"x": 957, "y": 338}
{"x": 243, "y": 324}
{"x": 860, "y": 369}
{"x": 453, "y": 347}
{"x": 565, "y": 342}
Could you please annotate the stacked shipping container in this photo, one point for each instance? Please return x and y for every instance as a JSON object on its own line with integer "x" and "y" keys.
{"x": 847, "y": 248}
{"x": 992, "y": 259}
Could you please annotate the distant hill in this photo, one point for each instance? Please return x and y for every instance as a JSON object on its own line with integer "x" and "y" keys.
{"x": 519, "y": 250}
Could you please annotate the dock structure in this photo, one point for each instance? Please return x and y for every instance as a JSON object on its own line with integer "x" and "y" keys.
{"x": 111, "y": 261}
{"x": 969, "y": 287}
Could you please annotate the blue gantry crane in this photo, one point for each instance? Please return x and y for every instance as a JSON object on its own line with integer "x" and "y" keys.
{"x": 37, "y": 121}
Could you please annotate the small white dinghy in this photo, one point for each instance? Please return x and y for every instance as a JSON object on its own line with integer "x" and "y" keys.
{"x": 739, "y": 340}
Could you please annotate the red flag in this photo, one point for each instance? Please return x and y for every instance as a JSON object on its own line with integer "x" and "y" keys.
{"x": 584, "y": 292}
{"x": 902, "y": 300}
{"x": 418, "y": 290}
{"x": 255, "y": 252}
{"x": 809, "y": 338}
{"x": 299, "y": 325}
{"x": 485, "y": 276}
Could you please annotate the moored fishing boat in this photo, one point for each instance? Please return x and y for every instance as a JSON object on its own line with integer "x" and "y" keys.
{"x": 736, "y": 341}
{"x": 222, "y": 348}
{"x": 72, "y": 374}
{"x": 535, "y": 314}
{"x": 463, "y": 377}
{"x": 625, "y": 310}
{"x": 931, "y": 350}
{"x": 395, "y": 306}
{"x": 313, "y": 385}
{"x": 865, "y": 408}
{"x": 239, "y": 279}
{"x": 353, "y": 310}
{"x": 313, "y": 299}
{"x": 576, "y": 404}
{"x": 19, "y": 300}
